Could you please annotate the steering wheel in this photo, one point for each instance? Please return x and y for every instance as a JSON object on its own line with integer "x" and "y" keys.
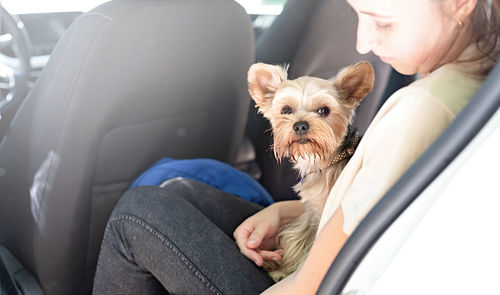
{"x": 15, "y": 54}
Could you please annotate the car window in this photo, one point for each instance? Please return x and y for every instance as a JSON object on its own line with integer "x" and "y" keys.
{"x": 253, "y": 7}
{"x": 37, "y": 6}
{"x": 262, "y": 7}
{"x": 263, "y": 12}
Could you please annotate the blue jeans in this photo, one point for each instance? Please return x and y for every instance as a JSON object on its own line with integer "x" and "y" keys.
{"x": 177, "y": 240}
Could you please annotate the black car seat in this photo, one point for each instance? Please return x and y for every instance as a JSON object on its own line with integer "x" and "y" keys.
{"x": 317, "y": 38}
{"x": 130, "y": 82}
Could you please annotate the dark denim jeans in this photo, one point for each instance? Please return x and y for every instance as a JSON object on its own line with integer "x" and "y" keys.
{"x": 177, "y": 240}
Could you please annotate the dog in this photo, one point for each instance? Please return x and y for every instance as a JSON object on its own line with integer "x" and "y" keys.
{"x": 311, "y": 126}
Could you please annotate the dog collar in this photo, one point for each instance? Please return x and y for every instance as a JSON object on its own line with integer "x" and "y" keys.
{"x": 347, "y": 153}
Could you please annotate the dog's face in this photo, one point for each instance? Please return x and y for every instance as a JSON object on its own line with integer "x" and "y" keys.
{"x": 309, "y": 116}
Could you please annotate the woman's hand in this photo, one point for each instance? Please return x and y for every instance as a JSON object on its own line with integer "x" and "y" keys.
{"x": 256, "y": 236}
{"x": 308, "y": 277}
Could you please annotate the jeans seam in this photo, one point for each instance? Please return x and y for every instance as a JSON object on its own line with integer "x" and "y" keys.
{"x": 203, "y": 279}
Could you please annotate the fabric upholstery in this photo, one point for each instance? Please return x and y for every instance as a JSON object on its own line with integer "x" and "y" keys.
{"x": 130, "y": 82}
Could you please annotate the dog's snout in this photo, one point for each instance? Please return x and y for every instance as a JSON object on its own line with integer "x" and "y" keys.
{"x": 301, "y": 127}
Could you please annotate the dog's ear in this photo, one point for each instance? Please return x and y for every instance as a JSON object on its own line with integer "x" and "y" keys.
{"x": 355, "y": 82}
{"x": 263, "y": 82}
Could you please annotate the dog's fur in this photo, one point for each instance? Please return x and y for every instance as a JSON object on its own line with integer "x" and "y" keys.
{"x": 310, "y": 119}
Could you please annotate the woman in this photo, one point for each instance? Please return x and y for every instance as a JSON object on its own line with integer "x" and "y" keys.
{"x": 178, "y": 238}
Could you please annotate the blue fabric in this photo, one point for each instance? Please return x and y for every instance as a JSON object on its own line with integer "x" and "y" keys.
{"x": 214, "y": 173}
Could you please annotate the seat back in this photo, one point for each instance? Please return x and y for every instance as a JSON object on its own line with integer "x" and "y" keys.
{"x": 130, "y": 82}
{"x": 320, "y": 40}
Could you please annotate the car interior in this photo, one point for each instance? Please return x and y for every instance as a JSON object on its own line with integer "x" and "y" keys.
{"x": 113, "y": 90}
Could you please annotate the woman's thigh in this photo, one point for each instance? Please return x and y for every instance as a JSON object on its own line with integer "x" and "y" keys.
{"x": 181, "y": 235}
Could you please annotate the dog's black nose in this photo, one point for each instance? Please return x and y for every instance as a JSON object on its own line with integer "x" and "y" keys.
{"x": 301, "y": 127}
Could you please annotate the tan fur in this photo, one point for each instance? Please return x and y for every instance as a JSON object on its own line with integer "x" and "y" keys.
{"x": 310, "y": 152}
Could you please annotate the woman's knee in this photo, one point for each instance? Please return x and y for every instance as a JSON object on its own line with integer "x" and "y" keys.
{"x": 146, "y": 200}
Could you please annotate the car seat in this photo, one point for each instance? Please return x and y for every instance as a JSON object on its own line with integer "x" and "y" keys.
{"x": 316, "y": 38}
{"x": 130, "y": 82}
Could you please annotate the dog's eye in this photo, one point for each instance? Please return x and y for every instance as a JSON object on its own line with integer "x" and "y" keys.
{"x": 324, "y": 111}
{"x": 286, "y": 110}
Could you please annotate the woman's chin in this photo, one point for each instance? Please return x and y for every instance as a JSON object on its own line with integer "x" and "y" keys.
{"x": 404, "y": 69}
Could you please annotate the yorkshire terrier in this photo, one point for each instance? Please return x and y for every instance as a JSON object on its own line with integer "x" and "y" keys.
{"x": 311, "y": 125}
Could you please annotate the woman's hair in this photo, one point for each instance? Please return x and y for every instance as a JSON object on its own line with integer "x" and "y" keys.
{"x": 485, "y": 32}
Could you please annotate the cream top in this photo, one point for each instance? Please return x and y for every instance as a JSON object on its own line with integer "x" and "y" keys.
{"x": 406, "y": 125}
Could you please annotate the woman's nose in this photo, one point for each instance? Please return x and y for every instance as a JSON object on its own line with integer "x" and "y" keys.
{"x": 366, "y": 38}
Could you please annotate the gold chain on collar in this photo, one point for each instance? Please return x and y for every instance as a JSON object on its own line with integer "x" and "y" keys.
{"x": 347, "y": 153}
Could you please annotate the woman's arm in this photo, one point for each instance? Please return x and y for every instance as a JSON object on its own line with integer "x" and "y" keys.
{"x": 307, "y": 279}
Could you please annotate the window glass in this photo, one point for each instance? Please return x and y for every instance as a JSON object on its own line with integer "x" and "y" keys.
{"x": 40, "y": 6}
{"x": 256, "y": 7}
{"x": 263, "y": 7}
